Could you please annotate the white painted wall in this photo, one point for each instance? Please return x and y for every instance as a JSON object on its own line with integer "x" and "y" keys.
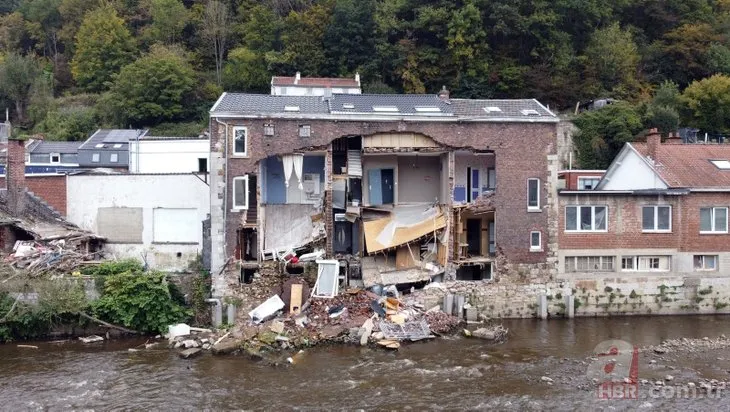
{"x": 632, "y": 174}
{"x": 168, "y": 156}
{"x": 173, "y": 209}
{"x": 311, "y": 91}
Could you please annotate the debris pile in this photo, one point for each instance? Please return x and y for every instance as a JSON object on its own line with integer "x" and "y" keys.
{"x": 37, "y": 257}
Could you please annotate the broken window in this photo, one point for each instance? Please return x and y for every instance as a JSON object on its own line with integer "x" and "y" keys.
{"x": 656, "y": 218}
{"x": 240, "y": 141}
{"x": 240, "y": 192}
{"x": 533, "y": 194}
{"x": 713, "y": 220}
{"x": 705, "y": 262}
{"x": 585, "y": 218}
{"x": 474, "y": 272}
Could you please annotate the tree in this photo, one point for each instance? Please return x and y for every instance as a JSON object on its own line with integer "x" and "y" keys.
{"x": 14, "y": 36}
{"x": 18, "y": 76}
{"x": 246, "y": 71}
{"x": 45, "y": 18}
{"x": 603, "y": 132}
{"x": 612, "y": 59}
{"x": 663, "y": 110}
{"x": 169, "y": 18}
{"x": 72, "y": 15}
{"x": 349, "y": 41}
{"x": 215, "y": 31}
{"x": 156, "y": 87}
{"x": 681, "y": 56}
{"x": 302, "y": 39}
{"x": 708, "y": 104}
{"x": 103, "y": 46}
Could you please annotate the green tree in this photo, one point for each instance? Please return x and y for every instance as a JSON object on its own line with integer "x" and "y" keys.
{"x": 169, "y": 18}
{"x": 708, "y": 104}
{"x": 216, "y": 30}
{"x": 612, "y": 59}
{"x": 349, "y": 40}
{"x": 18, "y": 77}
{"x": 72, "y": 15}
{"x": 71, "y": 123}
{"x": 603, "y": 132}
{"x": 302, "y": 39}
{"x": 46, "y": 20}
{"x": 681, "y": 55}
{"x": 103, "y": 46}
{"x": 663, "y": 110}
{"x": 156, "y": 87}
{"x": 14, "y": 36}
{"x": 245, "y": 70}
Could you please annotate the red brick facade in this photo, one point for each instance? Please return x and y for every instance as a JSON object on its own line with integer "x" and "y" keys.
{"x": 52, "y": 189}
{"x": 521, "y": 150}
{"x": 571, "y": 177}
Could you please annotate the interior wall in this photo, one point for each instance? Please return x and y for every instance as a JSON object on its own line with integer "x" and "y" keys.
{"x": 275, "y": 191}
{"x": 419, "y": 179}
{"x": 463, "y": 160}
{"x": 370, "y": 162}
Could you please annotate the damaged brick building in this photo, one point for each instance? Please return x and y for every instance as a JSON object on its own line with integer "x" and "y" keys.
{"x": 399, "y": 189}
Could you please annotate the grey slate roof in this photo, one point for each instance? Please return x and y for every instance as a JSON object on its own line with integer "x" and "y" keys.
{"x": 403, "y": 104}
{"x": 202, "y": 137}
{"x": 509, "y": 108}
{"x": 44, "y": 147}
{"x": 110, "y": 137}
{"x": 267, "y": 104}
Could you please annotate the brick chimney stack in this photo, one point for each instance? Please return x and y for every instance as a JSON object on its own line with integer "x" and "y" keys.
{"x": 444, "y": 93}
{"x": 15, "y": 176}
{"x": 653, "y": 140}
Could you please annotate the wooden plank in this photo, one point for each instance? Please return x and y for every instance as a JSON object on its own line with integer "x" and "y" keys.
{"x": 295, "y": 304}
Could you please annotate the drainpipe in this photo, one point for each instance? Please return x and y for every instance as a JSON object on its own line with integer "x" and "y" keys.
{"x": 217, "y": 311}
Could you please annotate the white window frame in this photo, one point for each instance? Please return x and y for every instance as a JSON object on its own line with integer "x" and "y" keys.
{"x": 712, "y": 220}
{"x": 95, "y": 157}
{"x": 703, "y": 263}
{"x": 245, "y": 143}
{"x": 268, "y": 130}
{"x": 656, "y": 219}
{"x": 114, "y": 157}
{"x": 537, "y": 207}
{"x": 584, "y": 178}
{"x": 639, "y": 263}
{"x": 245, "y": 188}
{"x": 305, "y": 130}
{"x": 578, "y": 222}
{"x": 50, "y": 158}
{"x": 538, "y": 247}
{"x": 601, "y": 261}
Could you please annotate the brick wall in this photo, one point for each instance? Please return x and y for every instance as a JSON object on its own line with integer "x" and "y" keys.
{"x": 521, "y": 151}
{"x": 15, "y": 170}
{"x": 571, "y": 177}
{"x": 625, "y": 223}
{"x": 52, "y": 189}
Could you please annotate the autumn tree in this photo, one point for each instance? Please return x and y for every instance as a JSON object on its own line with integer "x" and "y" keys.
{"x": 708, "y": 104}
{"x": 103, "y": 46}
{"x": 216, "y": 29}
{"x": 18, "y": 76}
{"x": 157, "y": 87}
{"x": 612, "y": 60}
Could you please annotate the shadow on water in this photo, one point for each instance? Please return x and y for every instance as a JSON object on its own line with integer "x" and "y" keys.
{"x": 447, "y": 373}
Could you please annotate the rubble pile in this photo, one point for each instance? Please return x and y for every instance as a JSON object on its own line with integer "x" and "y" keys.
{"x": 37, "y": 257}
{"x": 441, "y": 322}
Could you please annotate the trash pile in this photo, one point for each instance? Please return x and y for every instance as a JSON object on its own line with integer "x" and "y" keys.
{"x": 37, "y": 257}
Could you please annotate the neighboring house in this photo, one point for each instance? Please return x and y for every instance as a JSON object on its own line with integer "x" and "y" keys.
{"x": 661, "y": 210}
{"x": 578, "y": 179}
{"x": 51, "y": 156}
{"x": 108, "y": 148}
{"x": 397, "y": 187}
{"x": 156, "y": 154}
{"x": 314, "y": 86}
{"x": 157, "y": 218}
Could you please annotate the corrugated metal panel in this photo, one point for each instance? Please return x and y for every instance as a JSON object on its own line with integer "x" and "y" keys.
{"x": 354, "y": 163}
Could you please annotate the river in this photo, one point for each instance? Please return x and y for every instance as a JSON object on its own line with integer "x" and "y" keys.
{"x": 451, "y": 373}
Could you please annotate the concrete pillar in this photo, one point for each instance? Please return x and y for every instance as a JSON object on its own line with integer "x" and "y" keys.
{"x": 542, "y": 306}
{"x": 231, "y": 315}
{"x": 217, "y": 309}
{"x": 459, "y": 306}
{"x": 448, "y": 303}
{"x": 217, "y": 208}
{"x": 570, "y": 306}
{"x": 329, "y": 219}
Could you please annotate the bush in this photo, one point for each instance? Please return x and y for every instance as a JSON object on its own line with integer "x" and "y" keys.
{"x": 114, "y": 267}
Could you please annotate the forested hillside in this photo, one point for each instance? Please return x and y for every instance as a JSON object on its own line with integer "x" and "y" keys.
{"x": 68, "y": 66}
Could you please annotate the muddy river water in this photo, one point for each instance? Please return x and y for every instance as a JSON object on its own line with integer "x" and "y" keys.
{"x": 450, "y": 374}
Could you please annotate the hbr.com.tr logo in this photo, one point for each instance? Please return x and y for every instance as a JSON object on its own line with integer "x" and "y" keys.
{"x": 616, "y": 370}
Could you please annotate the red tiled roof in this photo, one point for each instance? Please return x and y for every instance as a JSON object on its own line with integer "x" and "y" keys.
{"x": 314, "y": 81}
{"x": 688, "y": 165}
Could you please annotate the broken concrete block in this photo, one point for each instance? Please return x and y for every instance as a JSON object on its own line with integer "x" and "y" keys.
{"x": 225, "y": 347}
{"x": 191, "y": 343}
{"x": 277, "y": 326}
{"x": 189, "y": 353}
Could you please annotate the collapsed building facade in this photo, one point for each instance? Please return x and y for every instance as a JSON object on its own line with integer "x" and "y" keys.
{"x": 400, "y": 189}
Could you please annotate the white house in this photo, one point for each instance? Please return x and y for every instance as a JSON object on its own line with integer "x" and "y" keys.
{"x": 314, "y": 86}
{"x": 154, "y": 154}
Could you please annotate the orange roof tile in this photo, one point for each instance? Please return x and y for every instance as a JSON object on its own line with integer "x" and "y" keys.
{"x": 688, "y": 165}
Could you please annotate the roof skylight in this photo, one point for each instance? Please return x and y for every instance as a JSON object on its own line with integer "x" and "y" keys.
{"x": 291, "y": 108}
{"x": 428, "y": 109}
{"x": 492, "y": 109}
{"x": 721, "y": 164}
{"x": 118, "y": 145}
{"x": 385, "y": 109}
{"x": 348, "y": 106}
{"x": 529, "y": 112}
{"x": 99, "y": 145}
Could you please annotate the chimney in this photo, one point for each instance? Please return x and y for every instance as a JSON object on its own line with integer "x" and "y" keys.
{"x": 653, "y": 140}
{"x": 297, "y": 77}
{"x": 357, "y": 78}
{"x": 15, "y": 176}
{"x": 444, "y": 94}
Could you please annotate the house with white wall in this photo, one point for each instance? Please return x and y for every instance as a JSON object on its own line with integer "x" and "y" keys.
{"x": 162, "y": 154}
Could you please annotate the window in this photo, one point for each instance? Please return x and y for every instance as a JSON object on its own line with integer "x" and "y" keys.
{"x": 114, "y": 158}
{"x": 240, "y": 192}
{"x": 533, "y": 194}
{"x": 118, "y": 146}
{"x": 721, "y": 164}
{"x": 202, "y": 165}
{"x": 705, "y": 262}
{"x": 305, "y": 130}
{"x": 291, "y": 108}
{"x": 491, "y": 178}
{"x": 588, "y": 183}
{"x": 55, "y": 158}
{"x": 428, "y": 109}
{"x": 645, "y": 263}
{"x": 99, "y": 145}
{"x": 535, "y": 241}
{"x": 713, "y": 220}
{"x": 268, "y": 129}
{"x": 529, "y": 112}
{"x": 589, "y": 264}
{"x": 656, "y": 218}
{"x": 492, "y": 109}
{"x": 386, "y": 109}
{"x": 95, "y": 157}
{"x": 348, "y": 106}
{"x": 586, "y": 218}
{"x": 240, "y": 141}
